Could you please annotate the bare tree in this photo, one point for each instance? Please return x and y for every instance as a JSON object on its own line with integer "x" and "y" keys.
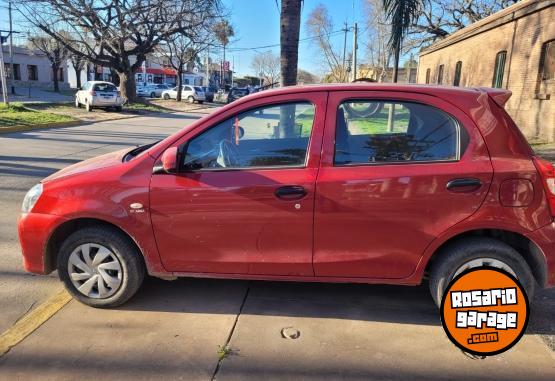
{"x": 290, "y": 24}
{"x": 306, "y": 78}
{"x": 118, "y": 34}
{"x": 319, "y": 25}
{"x": 179, "y": 51}
{"x": 439, "y": 18}
{"x": 54, "y": 50}
{"x": 377, "y": 37}
{"x": 266, "y": 65}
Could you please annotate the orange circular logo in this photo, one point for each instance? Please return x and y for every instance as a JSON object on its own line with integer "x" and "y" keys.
{"x": 484, "y": 311}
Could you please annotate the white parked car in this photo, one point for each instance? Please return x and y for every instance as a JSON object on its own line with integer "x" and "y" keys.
{"x": 99, "y": 94}
{"x": 152, "y": 90}
{"x": 189, "y": 93}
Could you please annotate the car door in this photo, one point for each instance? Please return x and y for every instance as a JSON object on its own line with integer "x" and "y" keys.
{"x": 243, "y": 200}
{"x": 390, "y": 183}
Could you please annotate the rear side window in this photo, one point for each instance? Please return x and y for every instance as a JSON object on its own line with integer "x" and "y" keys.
{"x": 373, "y": 132}
{"x": 108, "y": 87}
{"x": 270, "y": 136}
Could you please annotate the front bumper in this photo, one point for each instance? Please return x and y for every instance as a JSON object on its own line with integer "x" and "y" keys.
{"x": 544, "y": 238}
{"x": 34, "y": 231}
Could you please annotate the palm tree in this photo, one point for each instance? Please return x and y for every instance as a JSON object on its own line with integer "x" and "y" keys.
{"x": 290, "y": 22}
{"x": 402, "y": 14}
{"x": 223, "y": 31}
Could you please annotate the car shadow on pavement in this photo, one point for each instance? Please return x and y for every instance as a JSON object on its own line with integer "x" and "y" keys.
{"x": 364, "y": 302}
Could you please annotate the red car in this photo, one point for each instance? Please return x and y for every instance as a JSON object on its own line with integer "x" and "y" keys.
{"x": 369, "y": 183}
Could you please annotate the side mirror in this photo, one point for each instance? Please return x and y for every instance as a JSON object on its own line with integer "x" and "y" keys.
{"x": 169, "y": 160}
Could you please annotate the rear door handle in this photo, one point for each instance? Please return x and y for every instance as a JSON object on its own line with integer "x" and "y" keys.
{"x": 469, "y": 184}
{"x": 290, "y": 192}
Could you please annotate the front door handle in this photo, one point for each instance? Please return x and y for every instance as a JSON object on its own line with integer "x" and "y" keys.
{"x": 290, "y": 192}
{"x": 469, "y": 184}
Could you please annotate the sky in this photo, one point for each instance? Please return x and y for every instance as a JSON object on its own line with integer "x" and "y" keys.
{"x": 256, "y": 24}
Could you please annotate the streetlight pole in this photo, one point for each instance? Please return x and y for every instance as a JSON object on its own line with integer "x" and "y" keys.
{"x": 11, "y": 49}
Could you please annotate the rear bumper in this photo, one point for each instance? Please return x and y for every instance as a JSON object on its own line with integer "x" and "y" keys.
{"x": 98, "y": 102}
{"x": 545, "y": 239}
{"x": 34, "y": 231}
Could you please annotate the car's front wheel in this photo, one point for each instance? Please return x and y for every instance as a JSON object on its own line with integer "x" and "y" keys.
{"x": 475, "y": 252}
{"x": 100, "y": 266}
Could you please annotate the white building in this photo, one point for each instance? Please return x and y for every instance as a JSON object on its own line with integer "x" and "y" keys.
{"x": 32, "y": 68}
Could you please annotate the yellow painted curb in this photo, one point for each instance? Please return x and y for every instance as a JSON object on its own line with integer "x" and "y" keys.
{"x": 30, "y": 322}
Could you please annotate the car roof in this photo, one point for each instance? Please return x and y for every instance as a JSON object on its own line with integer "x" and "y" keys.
{"x": 97, "y": 82}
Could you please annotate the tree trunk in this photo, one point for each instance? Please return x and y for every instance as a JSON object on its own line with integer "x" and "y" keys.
{"x": 55, "y": 73}
{"x": 77, "y": 76}
{"x": 290, "y": 21}
{"x": 127, "y": 85}
{"x": 396, "y": 54}
{"x": 179, "y": 84}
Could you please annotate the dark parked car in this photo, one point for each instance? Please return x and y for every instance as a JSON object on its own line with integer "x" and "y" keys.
{"x": 209, "y": 93}
{"x": 313, "y": 183}
{"x": 236, "y": 93}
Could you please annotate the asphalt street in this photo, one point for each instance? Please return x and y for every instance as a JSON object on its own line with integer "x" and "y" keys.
{"x": 197, "y": 329}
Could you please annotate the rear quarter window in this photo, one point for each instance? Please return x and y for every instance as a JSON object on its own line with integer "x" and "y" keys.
{"x": 374, "y": 132}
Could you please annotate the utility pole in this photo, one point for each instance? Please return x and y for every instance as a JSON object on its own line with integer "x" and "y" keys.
{"x": 11, "y": 45}
{"x": 208, "y": 67}
{"x": 355, "y": 47}
{"x": 345, "y": 46}
{"x": 2, "y": 72}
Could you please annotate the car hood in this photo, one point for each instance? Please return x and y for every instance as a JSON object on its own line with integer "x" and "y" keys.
{"x": 104, "y": 161}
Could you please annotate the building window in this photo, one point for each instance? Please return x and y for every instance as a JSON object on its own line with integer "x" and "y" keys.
{"x": 32, "y": 72}
{"x": 16, "y": 72}
{"x": 499, "y": 69}
{"x": 440, "y": 75}
{"x": 458, "y": 68}
{"x": 61, "y": 75}
{"x": 427, "y": 76}
{"x": 548, "y": 60}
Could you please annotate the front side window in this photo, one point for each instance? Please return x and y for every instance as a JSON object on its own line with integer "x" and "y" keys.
{"x": 499, "y": 69}
{"x": 548, "y": 60}
{"x": 269, "y": 136}
{"x": 377, "y": 132}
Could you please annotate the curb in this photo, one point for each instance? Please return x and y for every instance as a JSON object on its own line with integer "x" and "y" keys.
{"x": 5, "y": 130}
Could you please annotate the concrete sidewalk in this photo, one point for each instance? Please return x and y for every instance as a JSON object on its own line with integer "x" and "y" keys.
{"x": 39, "y": 96}
{"x": 173, "y": 330}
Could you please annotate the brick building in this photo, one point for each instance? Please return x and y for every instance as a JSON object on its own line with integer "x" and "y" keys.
{"x": 512, "y": 49}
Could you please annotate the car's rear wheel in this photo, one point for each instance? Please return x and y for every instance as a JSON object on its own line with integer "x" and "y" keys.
{"x": 100, "y": 267}
{"x": 152, "y": 95}
{"x": 166, "y": 97}
{"x": 191, "y": 99}
{"x": 476, "y": 252}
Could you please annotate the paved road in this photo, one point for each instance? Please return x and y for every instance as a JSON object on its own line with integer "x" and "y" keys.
{"x": 26, "y": 158}
{"x": 174, "y": 329}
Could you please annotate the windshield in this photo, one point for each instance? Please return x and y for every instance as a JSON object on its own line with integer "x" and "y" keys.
{"x": 198, "y": 88}
{"x": 240, "y": 92}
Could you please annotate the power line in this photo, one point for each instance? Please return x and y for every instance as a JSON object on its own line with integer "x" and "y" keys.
{"x": 333, "y": 33}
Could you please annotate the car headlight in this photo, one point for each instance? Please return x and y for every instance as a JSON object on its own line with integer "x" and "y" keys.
{"x": 31, "y": 198}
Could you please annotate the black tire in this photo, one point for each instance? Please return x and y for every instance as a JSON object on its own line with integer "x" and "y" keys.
{"x": 200, "y": 102}
{"x": 190, "y": 99}
{"x": 166, "y": 97}
{"x": 133, "y": 269}
{"x": 119, "y": 108}
{"x": 454, "y": 255}
{"x": 153, "y": 95}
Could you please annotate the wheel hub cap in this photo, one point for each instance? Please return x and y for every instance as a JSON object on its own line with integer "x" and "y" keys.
{"x": 485, "y": 262}
{"x": 95, "y": 271}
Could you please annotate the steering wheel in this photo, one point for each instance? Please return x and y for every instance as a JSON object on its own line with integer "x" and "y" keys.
{"x": 227, "y": 154}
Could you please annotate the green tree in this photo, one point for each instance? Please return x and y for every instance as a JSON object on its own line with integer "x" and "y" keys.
{"x": 402, "y": 14}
